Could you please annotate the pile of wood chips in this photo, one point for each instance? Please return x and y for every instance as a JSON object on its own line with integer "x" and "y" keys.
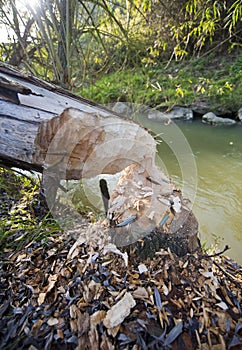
{"x": 88, "y": 294}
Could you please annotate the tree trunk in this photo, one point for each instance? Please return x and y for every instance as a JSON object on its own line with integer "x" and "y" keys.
{"x": 20, "y": 51}
{"x": 25, "y": 104}
{"x": 50, "y": 130}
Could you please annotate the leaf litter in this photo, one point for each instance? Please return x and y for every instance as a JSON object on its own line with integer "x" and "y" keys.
{"x": 76, "y": 294}
{"x": 85, "y": 293}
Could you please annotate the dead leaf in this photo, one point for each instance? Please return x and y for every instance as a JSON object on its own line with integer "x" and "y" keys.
{"x": 74, "y": 251}
{"x": 36, "y": 328}
{"x": 140, "y": 293}
{"x": 52, "y": 280}
{"x": 41, "y": 298}
{"x": 52, "y": 321}
{"x": 106, "y": 343}
{"x": 60, "y": 334}
{"x": 114, "y": 331}
{"x": 222, "y": 305}
{"x": 97, "y": 317}
{"x": 32, "y": 347}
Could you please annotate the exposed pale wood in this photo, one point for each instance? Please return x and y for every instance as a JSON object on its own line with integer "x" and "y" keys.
{"x": 44, "y": 127}
{"x": 25, "y": 102}
{"x": 153, "y": 222}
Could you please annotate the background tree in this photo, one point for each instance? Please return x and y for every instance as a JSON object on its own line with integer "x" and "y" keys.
{"x": 73, "y": 42}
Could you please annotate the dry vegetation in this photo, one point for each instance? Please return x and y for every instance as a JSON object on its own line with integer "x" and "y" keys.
{"x": 62, "y": 291}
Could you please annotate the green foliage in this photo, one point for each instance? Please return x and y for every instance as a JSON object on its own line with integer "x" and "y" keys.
{"x": 118, "y": 51}
{"x": 12, "y": 184}
{"x": 213, "y": 246}
{"x": 21, "y": 223}
{"x": 68, "y": 40}
{"x": 217, "y": 80}
{"x": 73, "y": 42}
{"x": 206, "y": 22}
{"x": 234, "y": 16}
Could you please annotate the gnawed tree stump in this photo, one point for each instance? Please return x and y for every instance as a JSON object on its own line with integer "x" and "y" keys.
{"x": 149, "y": 214}
{"x": 49, "y": 130}
{"x": 181, "y": 242}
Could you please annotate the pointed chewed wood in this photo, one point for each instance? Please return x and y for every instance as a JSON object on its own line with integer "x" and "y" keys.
{"x": 52, "y": 131}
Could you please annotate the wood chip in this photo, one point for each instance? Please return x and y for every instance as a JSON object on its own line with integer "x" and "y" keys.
{"x": 142, "y": 268}
{"x": 119, "y": 311}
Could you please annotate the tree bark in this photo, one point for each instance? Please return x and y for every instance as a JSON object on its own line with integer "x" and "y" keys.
{"x": 50, "y": 130}
{"x": 20, "y": 51}
{"x": 25, "y": 103}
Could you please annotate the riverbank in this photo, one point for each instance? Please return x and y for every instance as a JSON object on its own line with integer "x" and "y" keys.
{"x": 58, "y": 293}
{"x": 62, "y": 293}
{"x": 211, "y": 83}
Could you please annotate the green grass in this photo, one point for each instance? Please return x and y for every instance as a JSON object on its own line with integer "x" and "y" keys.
{"x": 22, "y": 218}
{"x": 212, "y": 78}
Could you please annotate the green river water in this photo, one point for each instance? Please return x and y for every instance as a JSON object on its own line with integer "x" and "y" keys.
{"x": 217, "y": 186}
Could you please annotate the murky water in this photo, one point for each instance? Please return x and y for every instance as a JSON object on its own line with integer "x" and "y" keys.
{"x": 218, "y": 158}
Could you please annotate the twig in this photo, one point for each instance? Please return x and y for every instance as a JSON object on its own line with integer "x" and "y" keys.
{"x": 220, "y": 44}
{"x": 216, "y": 254}
{"x": 228, "y": 275}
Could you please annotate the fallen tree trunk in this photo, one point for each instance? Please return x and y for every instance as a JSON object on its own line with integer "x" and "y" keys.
{"x": 26, "y": 102}
{"x": 47, "y": 129}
